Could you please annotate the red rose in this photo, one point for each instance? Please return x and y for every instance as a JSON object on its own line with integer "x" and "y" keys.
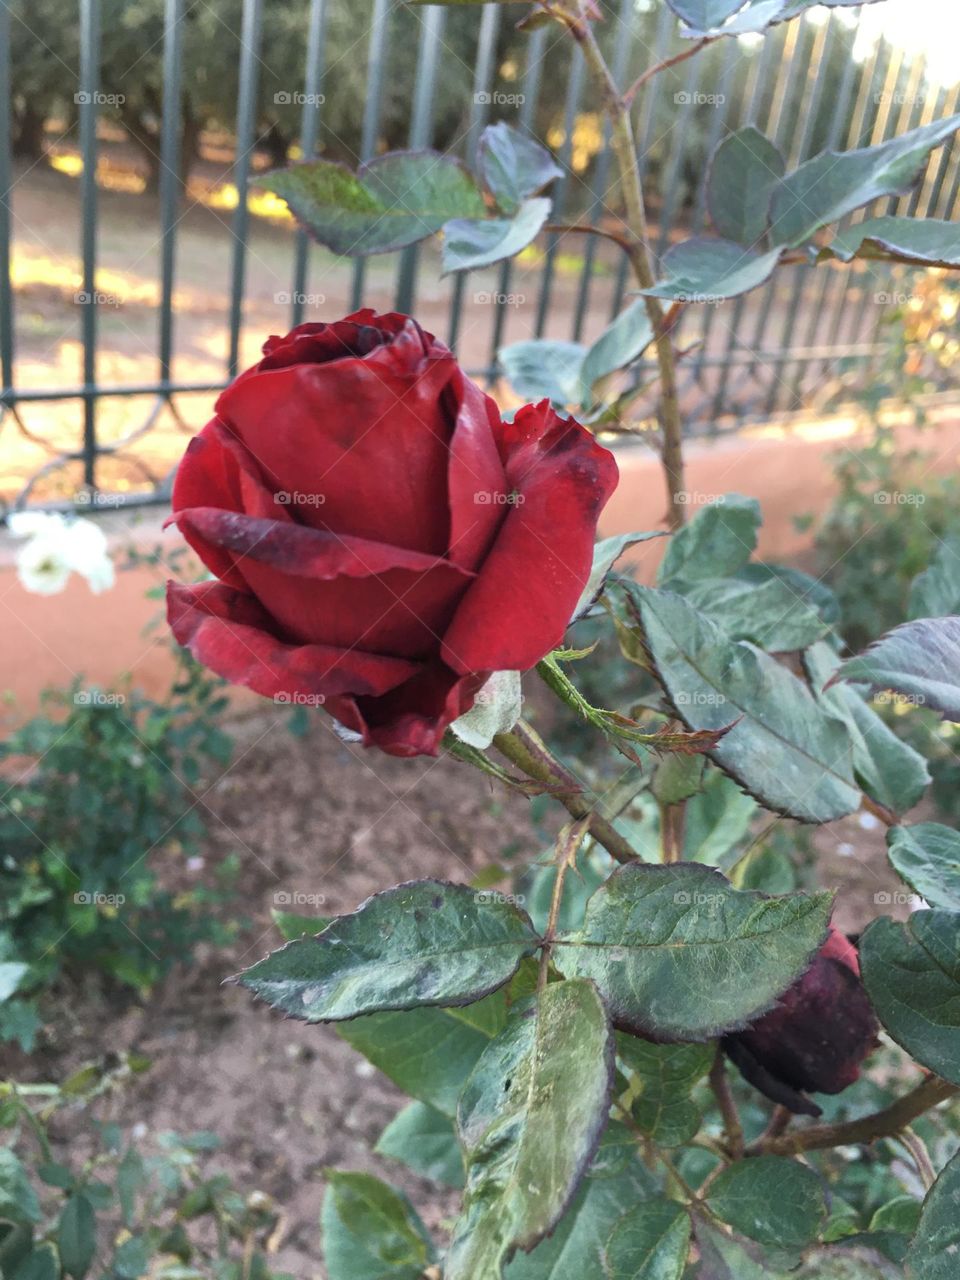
{"x": 383, "y": 540}
{"x": 818, "y": 1035}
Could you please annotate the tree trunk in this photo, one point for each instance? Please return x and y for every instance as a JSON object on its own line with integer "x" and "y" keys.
{"x": 28, "y": 133}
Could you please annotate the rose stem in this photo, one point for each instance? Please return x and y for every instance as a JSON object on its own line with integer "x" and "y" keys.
{"x": 888, "y": 1123}
{"x": 524, "y": 748}
{"x": 720, "y": 1085}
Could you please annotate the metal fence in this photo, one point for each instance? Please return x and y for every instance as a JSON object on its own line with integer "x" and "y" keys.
{"x": 748, "y": 359}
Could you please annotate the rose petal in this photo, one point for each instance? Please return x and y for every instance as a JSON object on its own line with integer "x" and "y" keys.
{"x": 476, "y": 480}
{"x": 324, "y": 589}
{"x": 228, "y": 632}
{"x": 518, "y": 608}
{"x": 367, "y": 435}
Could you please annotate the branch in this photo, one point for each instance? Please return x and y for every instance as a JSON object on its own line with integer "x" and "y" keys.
{"x": 525, "y": 748}
{"x": 732, "y": 1128}
{"x": 566, "y": 228}
{"x": 625, "y": 150}
{"x": 655, "y": 70}
{"x": 888, "y": 1123}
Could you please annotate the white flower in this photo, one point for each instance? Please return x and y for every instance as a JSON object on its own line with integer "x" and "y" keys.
{"x": 57, "y": 547}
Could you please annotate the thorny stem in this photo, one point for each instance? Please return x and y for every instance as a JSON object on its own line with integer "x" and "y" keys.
{"x": 524, "y": 748}
{"x": 888, "y": 1123}
{"x": 921, "y": 1157}
{"x": 617, "y": 108}
{"x": 720, "y": 1085}
{"x": 568, "y": 844}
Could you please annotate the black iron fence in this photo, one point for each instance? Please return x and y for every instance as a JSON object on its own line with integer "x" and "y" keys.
{"x": 806, "y": 85}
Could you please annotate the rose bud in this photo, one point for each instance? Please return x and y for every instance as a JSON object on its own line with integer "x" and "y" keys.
{"x": 817, "y": 1036}
{"x": 382, "y": 540}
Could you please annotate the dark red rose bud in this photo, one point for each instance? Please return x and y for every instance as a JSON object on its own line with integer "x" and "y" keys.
{"x": 816, "y": 1038}
{"x": 383, "y": 540}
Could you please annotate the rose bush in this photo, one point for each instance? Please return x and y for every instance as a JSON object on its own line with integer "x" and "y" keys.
{"x": 383, "y": 541}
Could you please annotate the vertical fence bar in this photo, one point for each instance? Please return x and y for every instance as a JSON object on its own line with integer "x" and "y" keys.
{"x": 530, "y": 90}
{"x": 6, "y": 197}
{"x": 943, "y": 160}
{"x": 309, "y": 130}
{"x": 479, "y": 114}
{"x": 371, "y": 117}
{"x": 88, "y": 102}
{"x": 169, "y": 175}
{"x": 601, "y": 177}
{"x": 246, "y": 121}
{"x": 421, "y": 134}
{"x": 560, "y": 187}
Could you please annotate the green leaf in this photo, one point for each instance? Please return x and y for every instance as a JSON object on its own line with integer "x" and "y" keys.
{"x": 577, "y": 1246}
{"x": 901, "y": 1214}
{"x": 428, "y": 1053}
{"x": 912, "y": 975}
{"x": 132, "y": 1258}
{"x": 784, "y": 749}
{"x": 921, "y": 240}
{"x": 12, "y": 973}
{"x": 833, "y": 184}
{"x": 778, "y": 1202}
{"x": 920, "y": 660}
{"x": 605, "y": 555}
{"x": 724, "y": 1257}
{"x": 704, "y": 269}
{"x": 425, "y": 1141}
{"x": 529, "y": 1120}
{"x": 679, "y": 954}
{"x": 131, "y": 1178}
{"x": 650, "y": 1242}
{"x": 542, "y": 368}
{"x": 935, "y": 1248}
{"x": 888, "y": 768}
{"x": 293, "y": 926}
{"x": 422, "y": 943}
{"x": 662, "y": 1077}
{"x": 77, "y": 1236}
{"x": 718, "y": 541}
{"x": 627, "y": 337}
{"x": 771, "y": 614}
{"x": 717, "y": 820}
{"x": 395, "y": 200}
{"x": 18, "y": 1200}
{"x": 371, "y": 1231}
{"x": 744, "y": 170}
{"x": 513, "y": 165}
{"x": 927, "y": 857}
{"x": 701, "y": 15}
{"x": 42, "y": 1264}
{"x": 676, "y": 778}
{"x": 935, "y": 593}
{"x": 469, "y": 243}
{"x": 496, "y": 709}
